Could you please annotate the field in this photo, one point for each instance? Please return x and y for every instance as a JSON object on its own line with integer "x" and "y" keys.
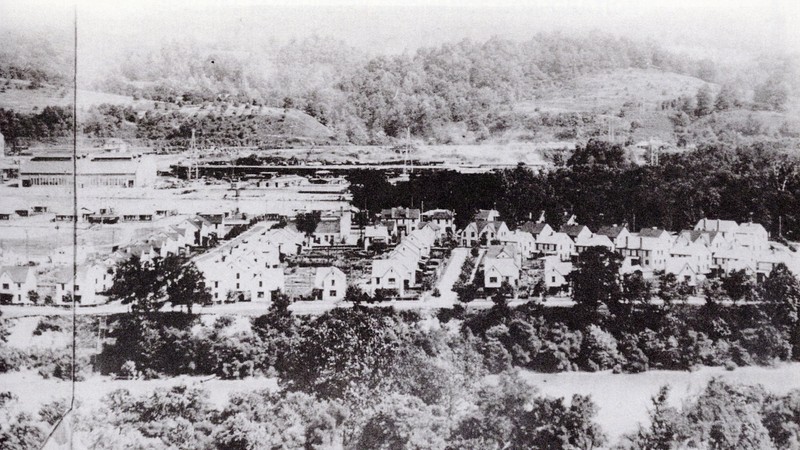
{"x": 18, "y": 97}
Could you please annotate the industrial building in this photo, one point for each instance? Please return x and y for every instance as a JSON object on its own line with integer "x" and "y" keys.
{"x": 100, "y": 170}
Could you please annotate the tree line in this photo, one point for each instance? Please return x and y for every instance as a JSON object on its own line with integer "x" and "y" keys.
{"x": 598, "y": 184}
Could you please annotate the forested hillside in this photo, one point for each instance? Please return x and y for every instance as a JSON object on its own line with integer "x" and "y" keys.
{"x": 464, "y": 92}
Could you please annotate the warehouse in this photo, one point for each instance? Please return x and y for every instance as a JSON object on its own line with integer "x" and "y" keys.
{"x": 106, "y": 170}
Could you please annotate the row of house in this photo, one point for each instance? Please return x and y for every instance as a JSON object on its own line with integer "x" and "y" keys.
{"x": 712, "y": 248}
{"x": 399, "y": 270}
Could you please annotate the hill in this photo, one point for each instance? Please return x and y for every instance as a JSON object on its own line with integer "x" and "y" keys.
{"x": 18, "y": 95}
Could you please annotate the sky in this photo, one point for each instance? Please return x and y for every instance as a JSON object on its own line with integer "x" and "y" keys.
{"x": 728, "y": 27}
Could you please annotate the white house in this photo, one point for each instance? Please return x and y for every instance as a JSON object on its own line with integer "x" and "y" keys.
{"x": 583, "y": 242}
{"x": 443, "y": 218}
{"x": 695, "y": 253}
{"x": 536, "y": 229}
{"x": 727, "y": 228}
{"x": 288, "y": 241}
{"x": 524, "y": 241}
{"x": 498, "y": 271}
{"x": 684, "y": 271}
{"x": 734, "y": 257}
{"x": 483, "y": 233}
{"x": 405, "y": 220}
{"x": 752, "y": 235}
{"x": 375, "y": 234}
{"x": 393, "y": 273}
{"x": 616, "y": 233}
{"x": 556, "y": 244}
{"x": 331, "y": 283}
{"x": 16, "y": 282}
{"x": 575, "y": 231}
{"x": 556, "y": 274}
{"x": 649, "y": 252}
{"x": 91, "y": 281}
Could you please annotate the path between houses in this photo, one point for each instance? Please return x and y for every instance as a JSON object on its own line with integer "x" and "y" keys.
{"x": 450, "y": 276}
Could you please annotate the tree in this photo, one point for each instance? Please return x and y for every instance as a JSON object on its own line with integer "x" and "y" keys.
{"x": 636, "y": 289}
{"x": 705, "y": 101}
{"x": 781, "y": 291}
{"x": 33, "y": 296}
{"x": 670, "y": 290}
{"x": 726, "y": 98}
{"x": 307, "y": 222}
{"x": 595, "y": 280}
{"x": 739, "y": 285}
{"x": 188, "y": 287}
{"x": 772, "y": 93}
{"x": 148, "y": 286}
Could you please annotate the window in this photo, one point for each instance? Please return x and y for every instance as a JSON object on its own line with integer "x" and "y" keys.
{"x": 492, "y": 279}
{"x": 260, "y": 294}
{"x": 237, "y": 275}
{"x": 391, "y": 280}
{"x": 216, "y": 284}
{"x": 5, "y": 286}
{"x": 554, "y": 279}
{"x": 216, "y": 294}
{"x": 333, "y": 282}
{"x": 260, "y": 284}
{"x": 237, "y": 285}
{"x": 332, "y": 293}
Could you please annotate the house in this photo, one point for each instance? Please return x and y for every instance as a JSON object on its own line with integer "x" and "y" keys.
{"x": 240, "y": 278}
{"x": 695, "y": 253}
{"x": 16, "y": 282}
{"x": 405, "y": 220}
{"x": 727, "y": 228}
{"x": 327, "y": 234}
{"x": 536, "y": 229}
{"x": 734, "y": 257}
{"x": 583, "y": 242}
{"x": 201, "y": 229}
{"x": 766, "y": 260}
{"x": 483, "y": 233}
{"x": 443, "y": 218}
{"x": 556, "y": 274}
{"x": 375, "y": 234}
{"x": 713, "y": 240}
{"x": 288, "y": 241}
{"x": 424, "y": 238}
{"x": 575, "y": 231}
{"x": 501, "y": 263}
{"x": 616, "y": 233}
{"x": 524, "y": 241}
{"x": 650, "y": 252}
{"x": 331, "y": 283}
{"x": 555, "y": 244}
{"x": 684, "y": 271}
{"x": 752, "y": 235}
{"x": 92, "y": 280}
{"x": 438, "y": 232}
{"x": 137, "y": 214}
{"x": 394, "y": 273}
{"x": 497, "y": 271}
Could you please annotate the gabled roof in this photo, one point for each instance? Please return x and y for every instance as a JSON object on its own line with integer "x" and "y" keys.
{"x": 690, "y": 248}
{"x": 653, "y": 232}
{"x": 494, "y": 225}
{"x": 501, "y": 251}
{"x": 323, "y": 273}
{"x": 18, "y": 274}
{"x": 716, "y": 225}
{"x": 612, "y": 231}
{"x": 679, "y": 266}
{"x": 573, "y": 230}
{"x": 639, "y": 242}
{"x": 534, "y": 228}
{"x": 594, "y": 240}
{"x": 555, "y": 238}
{"x": 506, "y": 267}
{"x": 376, "y": 231}
{"x": 751, "y": 228}
{"x": 329, "y": 227}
